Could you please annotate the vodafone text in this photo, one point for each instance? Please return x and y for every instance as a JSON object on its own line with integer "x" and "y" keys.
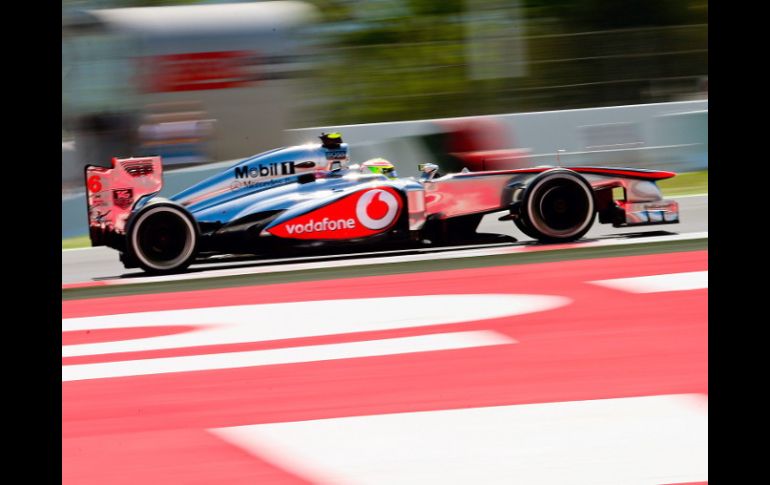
{"x": 323, "y": 225}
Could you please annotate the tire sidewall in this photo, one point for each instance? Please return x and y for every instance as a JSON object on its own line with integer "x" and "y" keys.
{"x": 536, "y": 227}
{"x": 132, "y": 237}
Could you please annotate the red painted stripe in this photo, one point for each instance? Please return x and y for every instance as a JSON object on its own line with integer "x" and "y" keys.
{"x": 533, "y": 248}
{"x": 195, "y": 56}
{"x": 207, "y": 85}
{"x": 164, "y": 457}
{"x": 619, "y": 348}
{"x": 85, "y": 284}
{"x": 607, "y": 344}
{"x": 526, "y": 278}
{"x": 107, "y": 335}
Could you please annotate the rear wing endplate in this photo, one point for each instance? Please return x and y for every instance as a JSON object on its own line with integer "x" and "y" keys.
{"x": 111, "y": 194}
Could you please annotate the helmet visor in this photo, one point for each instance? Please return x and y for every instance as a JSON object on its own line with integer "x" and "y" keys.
{"x": 389, "y": 172}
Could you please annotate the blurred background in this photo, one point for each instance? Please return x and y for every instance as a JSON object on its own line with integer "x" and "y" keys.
{"x": 204, "y": 82}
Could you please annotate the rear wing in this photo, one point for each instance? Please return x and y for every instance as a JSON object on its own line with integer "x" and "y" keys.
{"x": 111, "y": 194}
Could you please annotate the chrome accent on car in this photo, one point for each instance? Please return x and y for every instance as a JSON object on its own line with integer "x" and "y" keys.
{"x": 427, "y": 171}
{"x": 658, "y": 212}
{"x": 636, "y": 190}
{"x": 643, "y": 202}
{"x": 416, "y": 202}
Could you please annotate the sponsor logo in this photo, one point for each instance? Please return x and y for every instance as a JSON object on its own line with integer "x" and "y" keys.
{"x": 123, "y": 198}
{"x": 336, "y": 154}
{"x": 138, "y": 169}
{"x": 97, "y": 201}
{"x": 361, "y": 214}
{"x": 377, "y": 209}
{"x": 266, "y": 184}
{"x": 266, "y": 170}
{"x": 323, "y": 225}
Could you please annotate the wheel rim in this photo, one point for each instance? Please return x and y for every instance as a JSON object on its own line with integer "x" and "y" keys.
{"x": 563, "y": 205}
{"x": 163, "y": 239}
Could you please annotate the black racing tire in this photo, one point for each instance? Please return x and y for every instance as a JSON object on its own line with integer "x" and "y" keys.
{"x": 162, "y": 238}
{"x": 558, "y": 206}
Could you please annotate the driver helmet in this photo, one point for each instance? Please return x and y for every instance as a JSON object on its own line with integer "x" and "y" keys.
{"x": 331, "y": 140}
{"x": 379, "y": 166}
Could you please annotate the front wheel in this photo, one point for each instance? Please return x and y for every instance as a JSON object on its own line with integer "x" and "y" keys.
{"x": 557, "y": 207}
{"x": 162, "y": 238}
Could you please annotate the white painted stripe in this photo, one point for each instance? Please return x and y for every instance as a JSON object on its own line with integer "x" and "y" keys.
{"x": 292, "y": 355}
{"x": 280, "y": 321}
{"x": 688, "y": 196}
{"x": 468, "y": 253}
{"x": 640, "y": 440}
{"x": 87, "y": 248}
{"x": 694, "y": 280}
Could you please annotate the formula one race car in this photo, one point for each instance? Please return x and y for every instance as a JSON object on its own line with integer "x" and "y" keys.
{"x": 310, "y": 198}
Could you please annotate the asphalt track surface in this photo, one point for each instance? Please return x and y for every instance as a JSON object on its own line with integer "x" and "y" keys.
{"x": 94, "y": 264}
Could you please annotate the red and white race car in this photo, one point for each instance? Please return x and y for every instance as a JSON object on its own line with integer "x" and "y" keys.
{"x": 309, "y": 198}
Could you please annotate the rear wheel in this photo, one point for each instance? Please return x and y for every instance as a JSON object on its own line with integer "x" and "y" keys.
{"x": 558, "y": 207}
{"x": 162, "y": 239}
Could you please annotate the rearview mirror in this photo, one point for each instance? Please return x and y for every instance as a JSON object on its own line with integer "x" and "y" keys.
{"x": 427, "y": 170}
{"x": 427, "y": 167}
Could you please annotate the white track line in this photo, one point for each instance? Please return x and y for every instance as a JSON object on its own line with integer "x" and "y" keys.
{"x": 399, "y": 259}
{"x": 689, "y": 196}
{"x": 292, "y": 355}
{"x": 224, "y": 325}
{"x": 89, "y": 248}
{"x": 695, "y": 280}
{"x": 637, "y": 440}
